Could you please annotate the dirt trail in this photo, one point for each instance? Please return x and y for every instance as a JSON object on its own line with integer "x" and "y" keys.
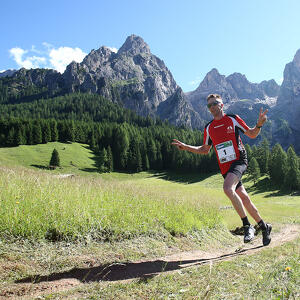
{"x": 38, "y": 285}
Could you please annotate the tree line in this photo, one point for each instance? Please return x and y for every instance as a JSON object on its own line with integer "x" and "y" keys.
{"x": 283, "y": 167}
{"x": 124, "y": 147}
{"x": 125, "y": 141}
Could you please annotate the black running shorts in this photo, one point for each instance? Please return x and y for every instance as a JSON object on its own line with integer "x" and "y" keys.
{"x": 238, "y": 168}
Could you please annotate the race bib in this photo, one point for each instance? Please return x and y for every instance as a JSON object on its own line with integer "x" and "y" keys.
{"x": 226, "y": 152}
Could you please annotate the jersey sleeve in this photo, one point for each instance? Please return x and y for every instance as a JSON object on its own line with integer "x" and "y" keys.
{"x": 240, "y": 123}
{"x": 206, "y": 138}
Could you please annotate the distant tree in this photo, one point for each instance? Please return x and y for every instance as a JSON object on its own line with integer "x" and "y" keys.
{"x": 134, "y": 156}
{"x": 292, "y": 179}
{"x": 54, "y": 161}
{"x": 92, "y": 140}
{"x": 262, "y": 155}
{"x": 120, "y": 147}
{"x": 278, "y": 165}
{"x": 254, "y": 170}
{"x": 146, "y": 165}
{"x": 37, "y": 133}
{"x": 110, "y": 160}
{"x": 19, "y": 139}
{"x": 46, "y": 132}
{"x": 249, "y": 151}
{"x": 103, "y": 161}
{"x": 54, "y": 131}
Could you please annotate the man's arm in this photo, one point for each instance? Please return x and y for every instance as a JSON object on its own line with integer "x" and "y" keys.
{"x": 204, "y": 149}
{"x": 254, "y": 132}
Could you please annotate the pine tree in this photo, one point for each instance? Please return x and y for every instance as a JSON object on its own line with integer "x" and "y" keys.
{"x": 146, "y": 165}
{"x": 152, "y": 154}
{"x": 254, "y": 170}
{"x": 278, "y": 165}
{"x": 292, "y": 179}
{"x": 249, "y": 152}
{"x": 54, "y": 161}
{"x": 37, "y": 133}
{"x": 134, "y": 156}
{"x": 120, "y": 147}
{"x": 103, "y": 159}
{"x": 263, "y": 155}
{"x": 46, "y": 132}
{"x": 110, "y": 160}
{"x": 54, "y": 131}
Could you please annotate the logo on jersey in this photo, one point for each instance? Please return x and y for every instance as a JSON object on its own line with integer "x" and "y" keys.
{"x": 230, "y": 129}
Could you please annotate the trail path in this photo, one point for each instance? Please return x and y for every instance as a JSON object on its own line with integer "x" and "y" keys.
{"x": 125, "y": 272}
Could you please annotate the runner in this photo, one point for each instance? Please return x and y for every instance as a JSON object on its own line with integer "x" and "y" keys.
{"x": 223, "y": 134}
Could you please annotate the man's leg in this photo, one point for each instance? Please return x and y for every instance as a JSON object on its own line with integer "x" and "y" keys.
{"x": 251, "y": 208}
{"x": 248, "y": 204}
{"x": 230, "y": 183}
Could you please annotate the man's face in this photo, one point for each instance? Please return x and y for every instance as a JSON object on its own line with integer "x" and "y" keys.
{"x": 215, "y": 106}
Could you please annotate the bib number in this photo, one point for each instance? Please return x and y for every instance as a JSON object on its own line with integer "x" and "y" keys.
{"x": 225, "y": 152}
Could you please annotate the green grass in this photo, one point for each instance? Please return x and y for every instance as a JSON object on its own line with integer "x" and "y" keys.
{"x": 74, "y": 157}
{"x": 39, "y": 205}
{"x": 107, "y": 206}
{"x": 107, "y": 218}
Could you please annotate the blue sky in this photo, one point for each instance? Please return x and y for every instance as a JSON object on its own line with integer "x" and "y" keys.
{"x": 254, "y": 37}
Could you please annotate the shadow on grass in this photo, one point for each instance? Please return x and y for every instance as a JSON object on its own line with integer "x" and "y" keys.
{"x": 182, "y": 177}
{"x": 40, "y": 167}
{"x": 265, "y": 185}
{"x": 96, "y": 163}
{"x": 122, "y": 271}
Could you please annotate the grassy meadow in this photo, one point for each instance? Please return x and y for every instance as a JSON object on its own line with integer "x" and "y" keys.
{"x": 51, "y": 223}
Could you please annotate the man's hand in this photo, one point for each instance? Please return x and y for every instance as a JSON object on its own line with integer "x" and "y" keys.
{"x": 178, "y": 144}
{"x": 262, "y": 118}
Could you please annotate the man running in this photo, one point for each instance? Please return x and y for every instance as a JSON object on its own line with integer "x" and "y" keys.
{"x": 223, "y": 133}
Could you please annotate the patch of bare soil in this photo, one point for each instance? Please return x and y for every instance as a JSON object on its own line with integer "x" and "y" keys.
{"x": 38, "y": 284}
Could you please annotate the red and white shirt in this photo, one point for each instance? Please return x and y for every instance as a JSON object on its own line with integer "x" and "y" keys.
{"x": 224, "y": 136}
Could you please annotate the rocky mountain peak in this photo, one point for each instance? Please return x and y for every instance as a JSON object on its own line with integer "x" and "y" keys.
{"x": 134, "y": 45}
{"x": 211, "y": 78}
{"x": 237, "y": 76}
{"x": 296, "y": 60}
{"x": 8, "y": 72}
{"x": 96, "y": 58}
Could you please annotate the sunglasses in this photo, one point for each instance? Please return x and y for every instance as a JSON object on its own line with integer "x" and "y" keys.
{"x": 213, "y": 104}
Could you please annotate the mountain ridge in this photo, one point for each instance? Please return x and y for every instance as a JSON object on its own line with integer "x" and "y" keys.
{"x": 135, "y": 78}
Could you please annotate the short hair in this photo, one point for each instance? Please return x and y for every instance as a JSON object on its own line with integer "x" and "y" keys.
{"x": 214, "y": 96}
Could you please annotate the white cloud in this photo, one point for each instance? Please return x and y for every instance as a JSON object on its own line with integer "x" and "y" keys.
{"x": 28, "y": 62}
{"x": 17, "y": 54}
{"x": 61, "y": 57}
{"x": 49, "y": 57}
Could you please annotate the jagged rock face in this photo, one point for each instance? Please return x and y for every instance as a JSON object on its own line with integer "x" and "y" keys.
{"x": 41, "y": 78}
{"x": 132, "y": 76}
{"x": 243, "y": 88}
{"x": 289, "y": 96}
{"x": 215, "y": 83}
{"x": 233, "y": 89}
{"x": 270, "y": 88}
{"x": 179, "y": 112}
{"x": 288, "y": 107}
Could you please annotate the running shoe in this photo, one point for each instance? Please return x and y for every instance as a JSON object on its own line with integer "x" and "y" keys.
{"x": 266, "y": 235}
{"x": 249, "y": 232}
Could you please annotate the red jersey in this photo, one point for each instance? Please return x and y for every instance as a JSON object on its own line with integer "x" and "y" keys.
{"x": 224, "y": 136}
